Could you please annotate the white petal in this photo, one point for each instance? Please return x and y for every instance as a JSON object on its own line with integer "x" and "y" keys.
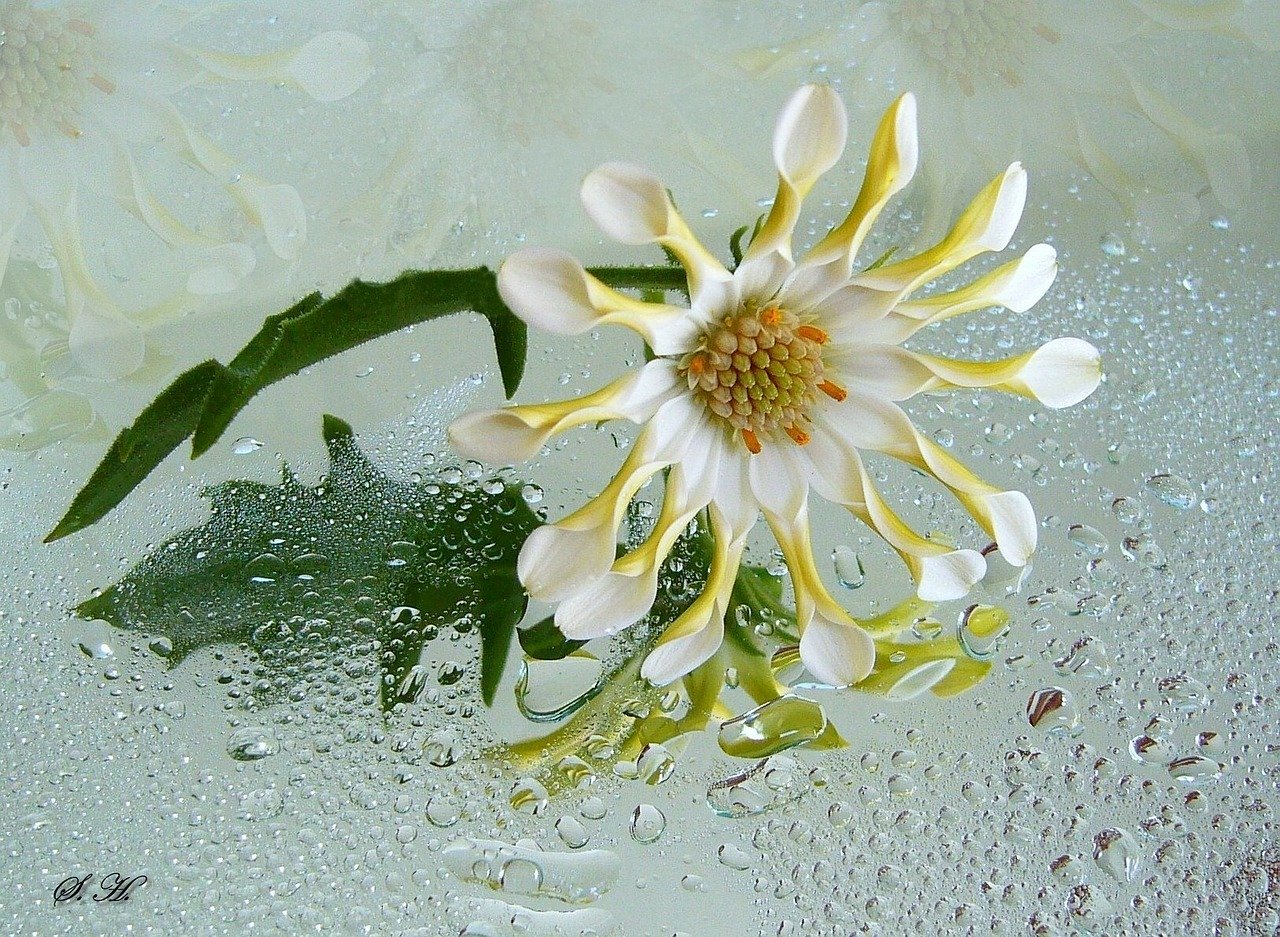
{"x": 837, "y": 652}
{"x": 1007, "y": 211}
{"x": 671, "y": 661}
{"x": 1013, "y": 520}
{"x": 810, "y": 134}
{"x": 607, "y": 606}
{"x": 331, "y": 66}
{"x": 106, "y": 346}
{"x": 779, "y": 480}
{"x": 1062, "y": 372}
{"x": 278, "y": 209}
{"x": 551, "y": 291}
{"x": 627, "y": 202}
{"x": 555, "y": 562}
{"x": 517, "y": 433}
{"x": 950, "y": 575}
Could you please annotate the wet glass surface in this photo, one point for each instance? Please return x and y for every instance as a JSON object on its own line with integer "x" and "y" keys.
{"x": 256, "y": 693}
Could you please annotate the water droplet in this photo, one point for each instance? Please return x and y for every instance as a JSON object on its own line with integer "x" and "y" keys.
{"x": 1112, "y": 245}
{"x": 1087, "y": 658}
{"x": 732, "y": 857}
{"x": 647, "y": 823}
{"x": 249, "y": 743}
{"x": 981, "y": 628}
{"x": 1173, "y": 490}
{"x": 529, "y": 796}
{"x": 1116, "y": 852}
{"x": 1088, "y": 539}
{"x": 1194, "y": 769}
{"x": 1211, "y": 742}
{"x": 773, "y": 727}
{"x": 571, "y": 832}
{"x": 443, "y": 812}
{"x": 521, "y": 876}
{"x": 98, "y": 650}
{"x": 245, "y": 445}
{"x": 848, "y": 566}
{"x": 1184, "y": 693}
{"x": 531, "y": 493}
{"x": 1053, "y": 710}
{"x": 1150, "y": 750}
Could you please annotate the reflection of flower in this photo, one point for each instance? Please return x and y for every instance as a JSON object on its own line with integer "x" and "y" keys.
{"x": 84, "y": 90}
{"x": 1015, "y": 75}
{"x": 775, "y": 378}
{"x": 497, "y": 99}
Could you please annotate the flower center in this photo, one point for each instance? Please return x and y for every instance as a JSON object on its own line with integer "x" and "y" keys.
{"x": 973, "y": 41}
{"x": 759, "y": 371}
{"x": 46, "y": 67}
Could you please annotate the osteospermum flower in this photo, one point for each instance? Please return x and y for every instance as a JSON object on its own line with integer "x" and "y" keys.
{"x": 86, "y": 93}
{"x": 774, "y": 379}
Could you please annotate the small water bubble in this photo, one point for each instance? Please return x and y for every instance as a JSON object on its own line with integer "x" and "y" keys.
{"x": 732, "y": 857}
{"x": 1087, "y": 658}
{"x": 529, "y": 796}
{"x": 245, "y": 445}
{"x": 443, "y": 811}
{"x": 1054, "y": 710}
{"x": 848, "y": 567}
{"x": 520, "y": 876}
{"x": 981, "y": 629}
{"x": 1127, "y": 510}
{"x": 1088, "y": 539}
{"x": 1184, "y": 693}
{"x": 1173, "y": 490}
{"x": 250, "y": 743}
{"x": 571, "y": 832}
{"x": 647, "y": 824}
{"x": 531, "y": 493}
{"x": 1116, "y": 852}
{"x": 1194, "y": 769}
{"x": 98, "y": 650}
{"x": 1112, "y": 245}
{"x": 1150, "y": 750}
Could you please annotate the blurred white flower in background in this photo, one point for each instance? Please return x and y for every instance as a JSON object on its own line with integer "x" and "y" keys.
{"x": 499, "y": 103}
{"x": 89, "y": 121}
{"x": 1016, "y": 77}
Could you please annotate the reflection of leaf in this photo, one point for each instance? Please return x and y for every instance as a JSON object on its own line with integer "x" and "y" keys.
{"x": 278, "y": 566}
{"x": 544, "y": 641}
{"x": 203, "y": 401}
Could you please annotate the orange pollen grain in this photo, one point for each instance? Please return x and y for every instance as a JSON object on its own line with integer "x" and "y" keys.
{"x": 753, "y": 444}
{"x": 813, "y": 333}
{"x": 800, "y": 436}
{"x": 833, "y": 390}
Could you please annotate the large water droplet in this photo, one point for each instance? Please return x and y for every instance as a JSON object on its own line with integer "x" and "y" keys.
{"x": 647, "y": 823}
{"x": 249, "y": 743}
{"x": 1087, "y": 658}
{"x": 981, "y": 628}
{"x": 1173, "y": 490}
{"x": 773, "y": 727}
{"x": 1116, "y": 853}
{"x": 1053, "y": 710}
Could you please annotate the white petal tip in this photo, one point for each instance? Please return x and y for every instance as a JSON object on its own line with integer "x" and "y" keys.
{"x": 331, "y": 66}
{"x": 950, "y": 575}
{"x": 494, "y": 436}
{"x": 1007, "y": 210}
{"x": 1062, "y": 372}
{"x": 556, "y": 562}
{"x": 547, "y": 289}
{"x": 906, "y": 138}
{"x": 1030, "y": 279}
{"x": 627, "y": 202}
{"x": 811, "y": 132}
{"x": 1014, "y": 525}
{"x": 839, "y": 653}
{"x": 607, "y": 606}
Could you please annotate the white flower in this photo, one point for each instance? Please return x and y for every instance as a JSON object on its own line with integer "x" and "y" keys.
{"x": 85, "y": 92}
{"x": 1045, "y": 78}
{"x": 774, "y": 380}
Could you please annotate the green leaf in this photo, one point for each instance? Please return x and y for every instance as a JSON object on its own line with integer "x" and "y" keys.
{"x": 362, "y": 560}
{"x": 544, "y": 641}
{"x": 139, "y": 448}
{"x": 203, "y": 401}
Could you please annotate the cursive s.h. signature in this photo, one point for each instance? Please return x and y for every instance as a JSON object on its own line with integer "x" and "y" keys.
{"x": 111, "y": 887}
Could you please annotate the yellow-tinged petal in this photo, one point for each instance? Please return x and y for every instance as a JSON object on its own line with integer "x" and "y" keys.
{"x": 631, "y": 205}
{"x": 560, "y": 559}
{"x": 551, "y": 291}
{"x": 625, "y": 594}
{"x": 940, "y": 571}
{"x": 517, "y": 433}
{"x": 869, "y": 422}
{"x": 1059, "y": 373}
{"x": 1017, "y": 286}
{"x": 808, "y": 140}
{"x": 833, "y": 646}
{"x": 890, "y": 166}
{"x": 987, "y": 224}
{"x": 693, "y": 637}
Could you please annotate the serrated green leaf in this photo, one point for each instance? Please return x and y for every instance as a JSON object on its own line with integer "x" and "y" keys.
{"x": 202, "y": 402}
{"x": 287, "y": 568}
